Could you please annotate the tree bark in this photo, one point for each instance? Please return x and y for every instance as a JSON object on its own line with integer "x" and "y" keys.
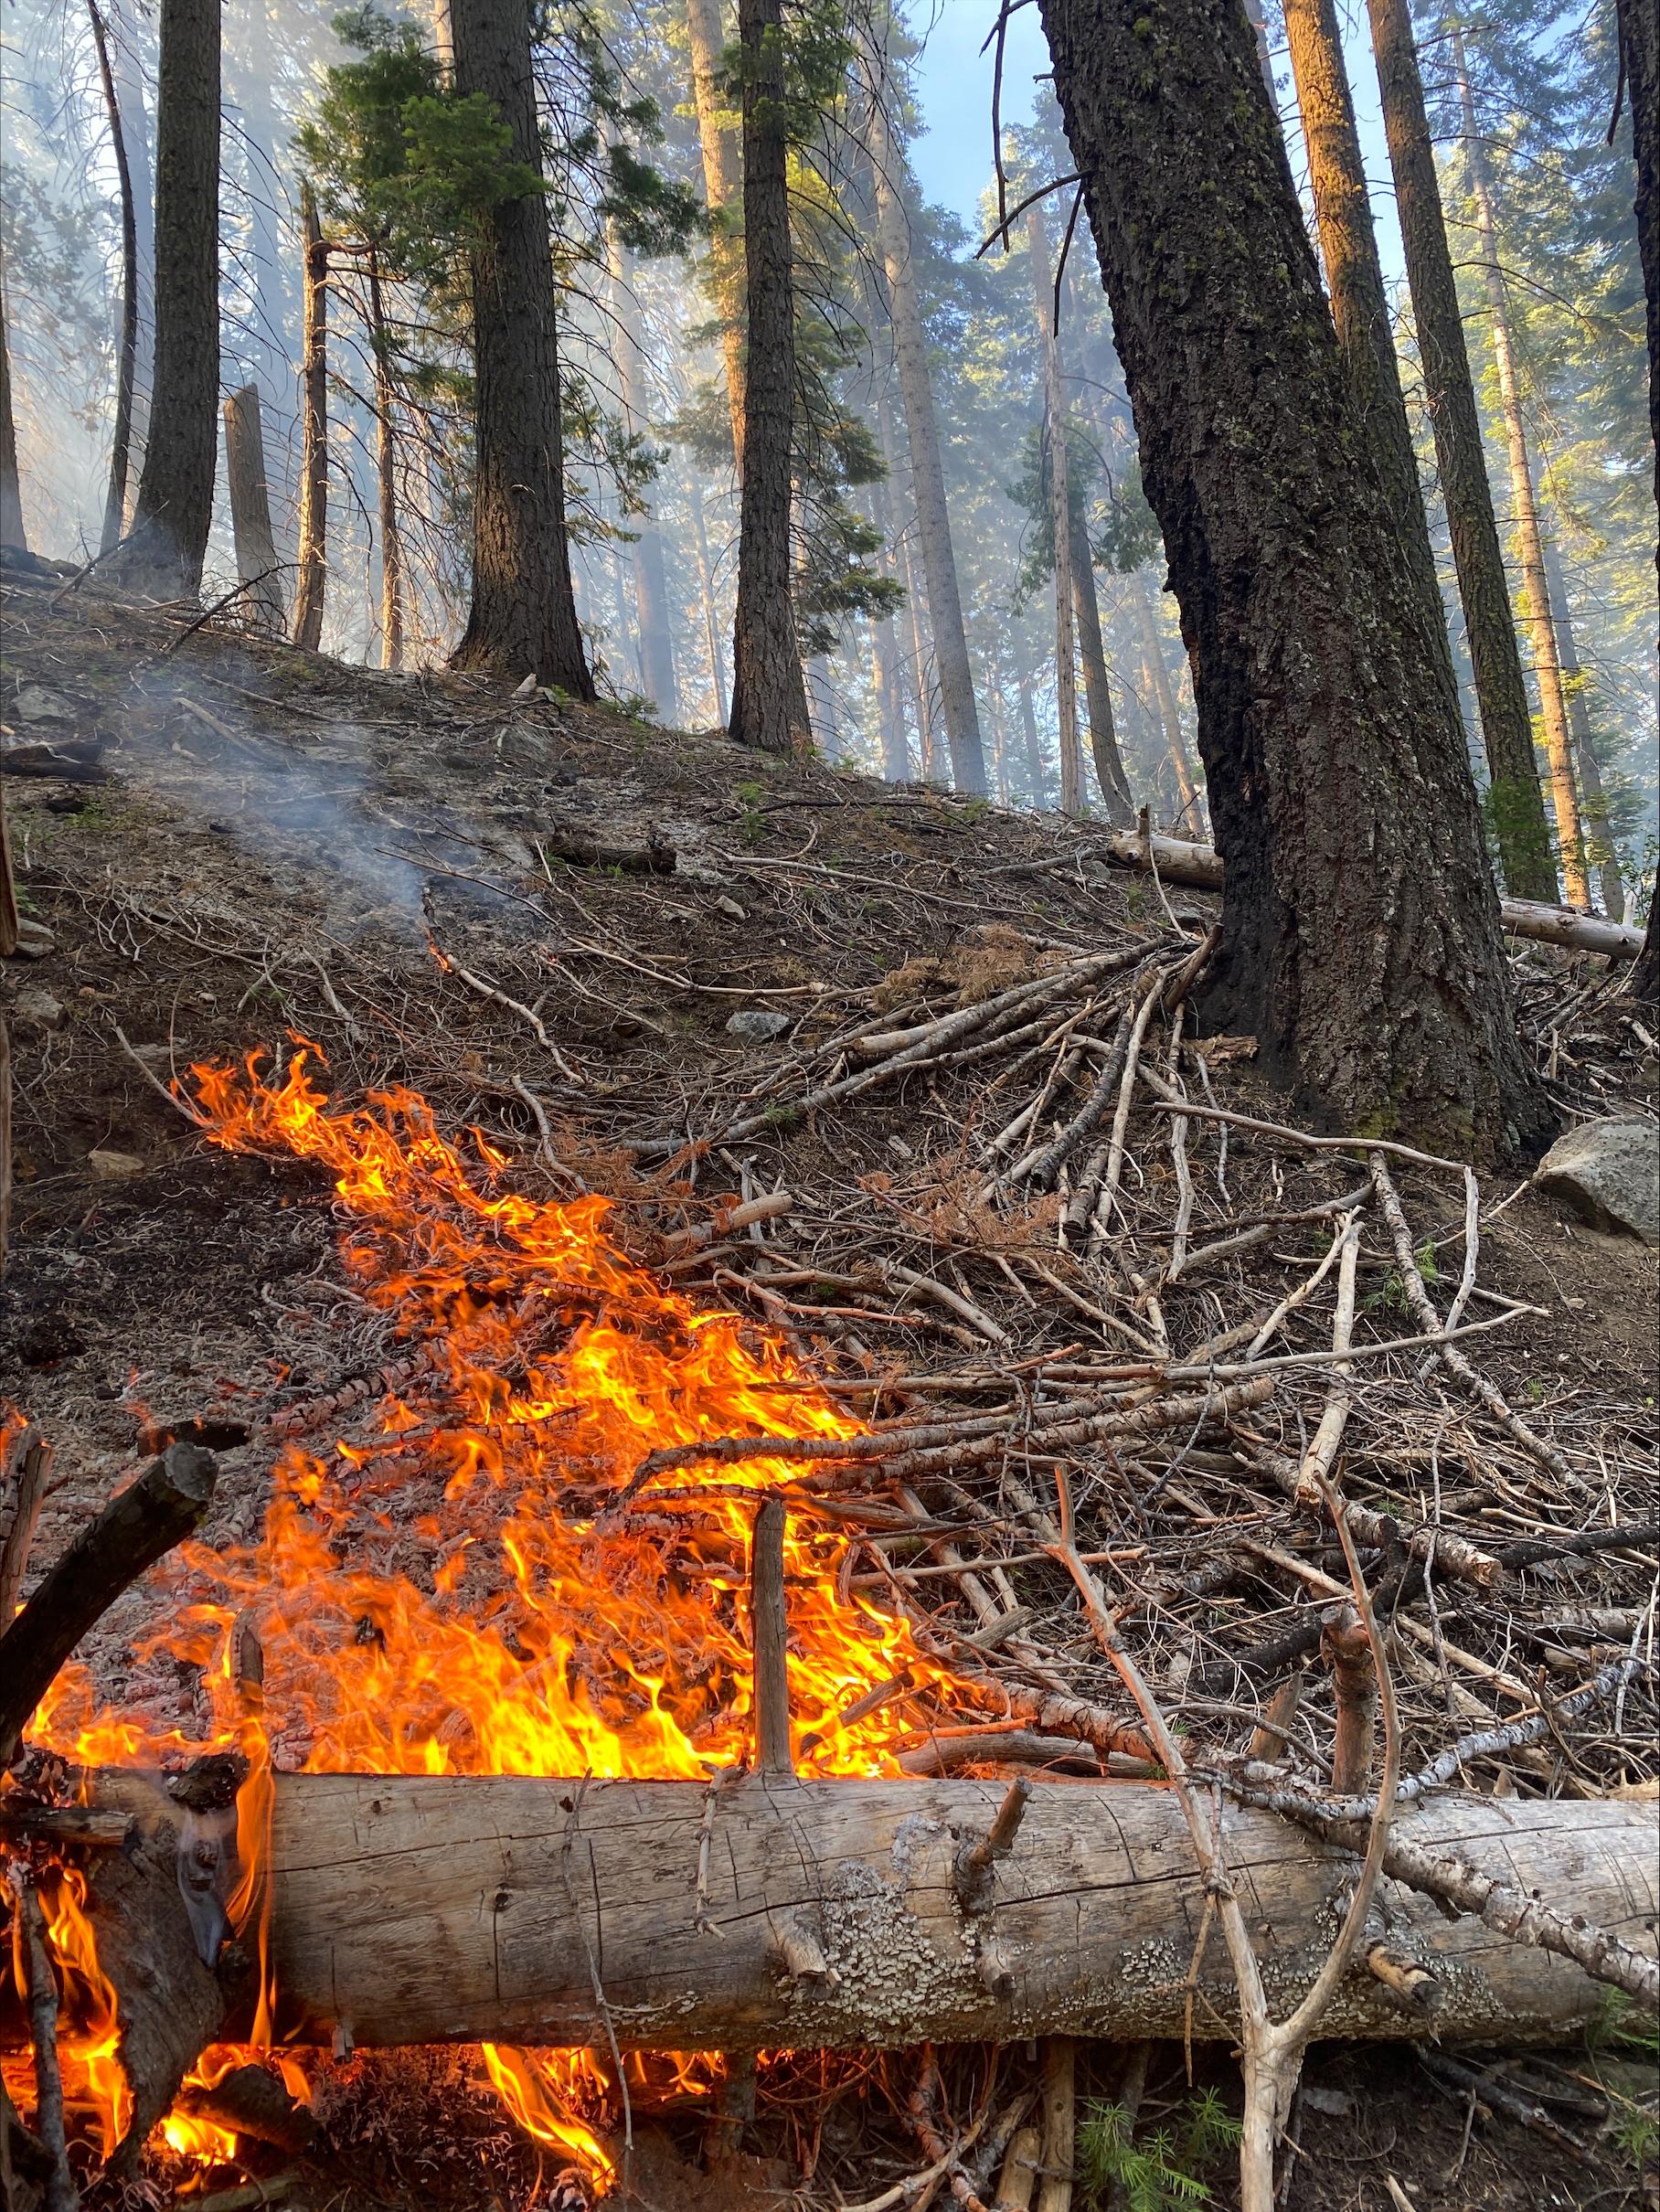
{"x": 414, "y": 1910}
{"x": 256, "y": 543}
{"x": 1593, "y": 802}
{"x": 651, "y": 582}
{"x": 1169, "y": 713}
{"x": 174, "y": 509}
{"x": 386, "y": 478}
{"x": 928, "y": 476}
{"x": 1354, "y": 277}
{"x": 1514, "y": 803}
{"x": 1640, "y": 61}
{"x": 1547, "y": 668}
{"x": 706, "y": 592}
{"x": 1060, "y": 514}
{"x": 312, "y": 579}
{"x": 723, "y": 196}
{"x": 891, "y": 717}
{"x": 769, "y": 694}
{"x": 121, "y": 441}
{"x": 523, "y": 620}
{"x": 1363, "y": 945}
{"x": 1029, "y": 728}
{"x": 12, "y": 532}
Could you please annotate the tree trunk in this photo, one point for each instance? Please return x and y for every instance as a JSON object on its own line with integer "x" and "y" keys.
{"x": 928, "y": 476}
{"x": 1514, "y": 803}
{"x": 651, "y": 582}
{"x": 314, "y": 434}
{"x": 412, "y": 1909}
{"x": 706, "y": 591}
{"x": 1599, "y": 845}
{"x": 922, "y": 680}
{"x": 255, "y": 544}
{"x": 1547, "y": 668}
{"x": 12, "y": 532}
{"x": 131, "y": 92}
{"x": 1060, "y": 514}
{"x": 174, "y": 509}
{"x": 1036, "y": 777}
{"x": 1169, "y": 713}
{"x": 1354, "y": 277}
{"x": 769, "y": 694}
{"x": 1362, "y": 944}
{"x": 121, "y": 443}
{"x": 891, "y": 717}
{"x": 1640, "y": 61}
{"x": 723, "y": 195}
{"x": 1644, "y": 981}
{"x": 386, "y": 479}
{"x": 524, "y": 618}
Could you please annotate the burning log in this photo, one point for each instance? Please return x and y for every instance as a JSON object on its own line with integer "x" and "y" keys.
{"x": 415, "y": 1910}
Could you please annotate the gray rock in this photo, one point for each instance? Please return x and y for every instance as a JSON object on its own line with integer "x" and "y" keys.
{"x": 757, "y": 1022}
{"x": 1609, "y": 1172}
{"x": 40, "y": 1010}
{"x": 114, "y": 1166}
{"x": 35, "y": 703}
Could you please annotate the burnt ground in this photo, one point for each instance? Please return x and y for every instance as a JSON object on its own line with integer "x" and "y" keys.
{"x": 230, "y": 844}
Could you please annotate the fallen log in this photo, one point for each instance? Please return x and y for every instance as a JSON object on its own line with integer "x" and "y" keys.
{"x": 773, "y": 1911}
{"x": 1178, "y": 860}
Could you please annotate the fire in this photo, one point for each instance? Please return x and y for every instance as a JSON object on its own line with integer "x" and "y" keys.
{"x": 540, "y": 2090}
{"x": 508, "y": 1628}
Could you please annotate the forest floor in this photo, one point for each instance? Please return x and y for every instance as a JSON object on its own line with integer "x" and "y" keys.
{"x": 232, "y": 844}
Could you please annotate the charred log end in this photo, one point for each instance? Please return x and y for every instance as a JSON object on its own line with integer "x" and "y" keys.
{"x": 1412, "y": 1984}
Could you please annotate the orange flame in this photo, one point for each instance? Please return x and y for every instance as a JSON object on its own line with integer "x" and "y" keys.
{"x": 503, "y": 1629}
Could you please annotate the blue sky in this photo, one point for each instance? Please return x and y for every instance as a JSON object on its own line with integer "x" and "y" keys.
{"x": 953, "y": 158}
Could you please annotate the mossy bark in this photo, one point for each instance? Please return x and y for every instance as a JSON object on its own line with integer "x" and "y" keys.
{"x": 1362, "y": 942}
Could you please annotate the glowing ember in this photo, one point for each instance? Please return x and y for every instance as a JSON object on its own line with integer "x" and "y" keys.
{"x": 504, "y": 1629}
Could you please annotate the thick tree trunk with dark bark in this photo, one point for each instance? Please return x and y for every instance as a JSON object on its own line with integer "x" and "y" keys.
{"x": 412, "y": 1909}
{"x": 651, "y": 582}
{"x": 313, "y": 429}
{"x": 1640, "y": 64}
{"x": 1515, "y": 803}
{"x": 12, "y": 532}
{"x": 524, "y": 618}
{"x": 769, "y": 694}
{"x": 245, "y": 481}
{"x": 921, "y": 429}
{"x": 126, "y": 357}
{"x": 1362, "y": 944}
{"x": 174, "y": 509}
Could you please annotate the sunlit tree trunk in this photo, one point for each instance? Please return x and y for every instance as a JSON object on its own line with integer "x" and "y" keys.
{"x": 1599, "y": 846}
{"x": 723, "y": 195}
{"x": 1362, "y": 942}
{"x": 1060, "y": 516}
{"x": 250, "y": 491}
{"x": 131, "y": 92}
{"x": 1640, "y": 56}
{"x": 1354, "y": 277}
{"x": 651, "y": 582}
{"x": 385, "y": 477}
{"x": 1547, "y": 668}
{"x": 313, "y": 430}
{"x": 173, "y": 508}
{"x": 12, "y": 532}
{"x": 769, "y": 696}
{"x": 127, "y": 357}
{"x": 1169, "y": 713}
{"x": 705, "y": 593}
{"x": 896, "y": 764}
{"x": 922, "y": 680}
{"x": 957, "y": 701}
{"x": 1515, "y": 805}
{"x": 523, "y": 619}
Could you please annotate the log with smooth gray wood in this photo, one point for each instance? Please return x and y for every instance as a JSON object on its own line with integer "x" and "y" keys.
{"x": 820, "y": 1913}
{"x": 1201, "y": 867}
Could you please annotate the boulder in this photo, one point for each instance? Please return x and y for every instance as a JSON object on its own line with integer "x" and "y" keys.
{"x": 1609, "y": 1172}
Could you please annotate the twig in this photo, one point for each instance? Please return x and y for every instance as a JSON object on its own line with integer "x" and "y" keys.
{"x": 32, "y": 1456}
{"x": 61, "y": 2195}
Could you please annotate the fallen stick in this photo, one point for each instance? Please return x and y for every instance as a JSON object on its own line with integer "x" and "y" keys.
{"x": 415, "y": 1909}
{"x": 133, "y": 1530}
{"x": 1202, "y": 868}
